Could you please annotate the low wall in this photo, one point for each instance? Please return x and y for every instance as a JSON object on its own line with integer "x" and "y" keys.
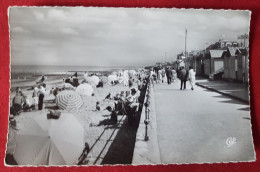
{"x": 147, "y": 151}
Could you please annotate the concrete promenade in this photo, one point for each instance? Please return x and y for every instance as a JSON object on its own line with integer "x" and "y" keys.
{"x": 237, "y": 91}
{"x": 200, "y": 126}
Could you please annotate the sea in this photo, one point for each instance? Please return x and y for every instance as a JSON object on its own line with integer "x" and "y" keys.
{"x": 26, "y": 75}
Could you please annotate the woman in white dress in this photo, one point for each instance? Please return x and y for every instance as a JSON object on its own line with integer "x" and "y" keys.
{"x": 159, "y": 76}
{"x": 192, "y": 79}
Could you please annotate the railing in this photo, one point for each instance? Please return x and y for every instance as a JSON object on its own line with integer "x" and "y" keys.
{"x": 146, "y": 149}
{"x": 147, "y": 109}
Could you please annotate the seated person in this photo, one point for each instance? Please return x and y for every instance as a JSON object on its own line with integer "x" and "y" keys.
{"x": 100, "y": 84}
{"x": 133, "y": 97}
{"x": 97, "y": 106}
{"x": 113, "y": 118}
{"x": 132, "y": 106}
{"x": 18, "y": 102}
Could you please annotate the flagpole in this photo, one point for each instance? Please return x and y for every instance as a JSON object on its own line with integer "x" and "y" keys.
{"x": 185, "y": 42}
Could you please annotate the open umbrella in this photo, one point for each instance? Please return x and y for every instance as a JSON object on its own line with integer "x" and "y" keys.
{"x": 86, "y": 75}
{"x": 131, "y": 73}
{"x": 94, "y": 80}
{"x": 68, "y": 86}
{"x": 104, "y": 79}
{"x": 114, "y": 73}
{"x": 84, "y": 89}
{"x": 87, "y": 79}
{"x": 112, "y": 78}
{"x": 69, "y": 100}
{"x": 45, "y": 141}
{"x": 120, "y": 73}
{"x": 120, "y": 79}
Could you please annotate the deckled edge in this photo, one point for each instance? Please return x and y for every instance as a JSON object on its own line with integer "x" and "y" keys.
{"x": 152, "y": 8}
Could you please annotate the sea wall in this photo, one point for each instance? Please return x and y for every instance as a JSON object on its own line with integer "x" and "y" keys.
{"x": 146, "y": 149}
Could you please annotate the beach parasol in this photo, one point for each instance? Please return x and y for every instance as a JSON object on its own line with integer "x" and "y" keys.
{"x": 87, "y": 78}
{"x": 94, "y": 80}
{"x": 120, "y": 79}
{"x": 114, "y": 73}
{"x": 131, "y": 73}
{"x": 11, "y": 144}
{"x": 68, "y": 100}
{"x": 84, "y": 89}
{"x": 45, "y": 141}
{"x": 120, "y": 73}
{"x": 125, "y": 74}
{"x": 86, "y": 75}
{"x": 104, "y": 79}
{"x": 112, "y": 78}
{"x": 68, "y": 86}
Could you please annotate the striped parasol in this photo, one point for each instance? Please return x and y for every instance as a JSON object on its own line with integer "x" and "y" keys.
{"x": 68, "y": 100}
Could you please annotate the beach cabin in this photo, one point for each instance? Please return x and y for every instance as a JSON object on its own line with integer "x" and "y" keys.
{"x": 213, "y": 62}
{"x": 242, "y": 64}
{"x": 199, "y": 65}
{"x": 230, "y": 64}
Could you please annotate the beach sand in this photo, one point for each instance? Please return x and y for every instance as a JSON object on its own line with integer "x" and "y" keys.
{"x": 110, "y": 144}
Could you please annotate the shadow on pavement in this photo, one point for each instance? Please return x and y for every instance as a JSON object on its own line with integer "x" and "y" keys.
{"x": 122, "y": 148}
{"x": 233, "y": 102}
{"x": 245, "y": 109}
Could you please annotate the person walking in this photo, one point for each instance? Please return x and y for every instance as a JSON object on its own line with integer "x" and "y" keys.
{"x": 163, "y": 74}
{"x": 183, "y": 78}
{"x": 41, "y": 96}
{"x": 159, "y": 76}
{"x": 192, "y": 79}
{"x": 156, "y": 70}
{"x": 169, "y": 75}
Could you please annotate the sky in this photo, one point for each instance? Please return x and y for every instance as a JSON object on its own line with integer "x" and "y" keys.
{"x": 137, "y": 37}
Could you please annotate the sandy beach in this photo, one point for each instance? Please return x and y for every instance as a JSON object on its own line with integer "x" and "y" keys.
{"x": 98, "y": 133}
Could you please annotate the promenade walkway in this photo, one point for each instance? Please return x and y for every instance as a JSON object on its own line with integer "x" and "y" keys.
{"x": 235, "y": 90}
{"x": 199, "y": 126}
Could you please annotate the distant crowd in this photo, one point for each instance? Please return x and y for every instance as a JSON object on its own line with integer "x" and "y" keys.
{"x": 161, "y": 74}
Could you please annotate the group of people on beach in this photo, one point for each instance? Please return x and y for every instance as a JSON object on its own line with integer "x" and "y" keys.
{"x": 158, "y": 74}
{"x": 129, "y": 102}
{"x": 22, "y": 102}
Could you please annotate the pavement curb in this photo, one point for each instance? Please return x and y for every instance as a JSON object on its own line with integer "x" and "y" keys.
{"x": 223, "y": 93}
{"x": 147, "y": 152}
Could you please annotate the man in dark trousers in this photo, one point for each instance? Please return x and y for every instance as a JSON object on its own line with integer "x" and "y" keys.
{"x": 169, "y": 75}
{"x": 156, "y": 70}
{"x": 183, "y": 78}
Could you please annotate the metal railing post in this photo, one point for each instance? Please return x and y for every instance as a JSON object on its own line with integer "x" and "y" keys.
{"x": 147, "y": 109}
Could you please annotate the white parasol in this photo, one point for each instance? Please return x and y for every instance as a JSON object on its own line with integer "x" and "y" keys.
{"x": 84, "y": 89}
{"x": 94, "y": 80}
{"x": 45, "y": 141}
